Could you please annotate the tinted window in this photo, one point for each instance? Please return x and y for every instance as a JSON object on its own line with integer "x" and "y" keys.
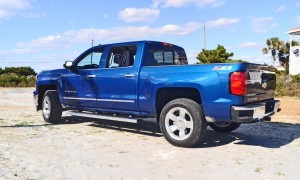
{"x": 158, "y": 55}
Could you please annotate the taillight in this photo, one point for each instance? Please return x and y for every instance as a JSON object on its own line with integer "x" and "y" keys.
{"x": 238, "y": 83}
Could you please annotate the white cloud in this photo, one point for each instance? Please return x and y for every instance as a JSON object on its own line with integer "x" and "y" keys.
{"x": 32, "y": 15}
{"x": 258, "y": 59}
{"x": 263, "y": 24}
{"x": 281, "y": 8}
{"x": 222, "y": 22}
{"x": 218, "y": 4}
{"x": 4, "y": 14}
{"x": 73, "y": 37}
{"x": 181, "y": 3}
{"x": 9, "y": 8}
{"x": 139, "y": 14}
{"x": 247, "y": 45}
{"x": 105, "y": 15}
{"x": 156, "y": 3}
{"x": 16, "y": 52}
{"x": 15, "y": 4}
{"x": 60, "y": 57}
{"x": 192, "y": 56}
{"x": 297, "y": 20}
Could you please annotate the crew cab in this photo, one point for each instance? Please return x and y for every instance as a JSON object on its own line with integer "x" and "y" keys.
{"x": 135, "y": 80}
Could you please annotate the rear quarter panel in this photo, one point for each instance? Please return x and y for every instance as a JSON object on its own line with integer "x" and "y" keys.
{"x": 211, "y": 80}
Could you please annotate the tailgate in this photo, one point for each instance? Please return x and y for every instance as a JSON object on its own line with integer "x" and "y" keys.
{"x": 261, "y": 83}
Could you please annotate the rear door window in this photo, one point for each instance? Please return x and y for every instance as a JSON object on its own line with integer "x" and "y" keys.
{"x": 159, "y": 55}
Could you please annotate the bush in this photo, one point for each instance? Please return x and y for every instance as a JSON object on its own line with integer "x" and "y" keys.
{"x": 17, "y": 77}
{"x": 287, "y": 85}
{"x": 296, "y": 78}
{"x": 20, "y": 71}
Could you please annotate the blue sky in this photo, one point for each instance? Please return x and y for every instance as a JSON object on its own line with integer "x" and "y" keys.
{"x": 44, "y": 34}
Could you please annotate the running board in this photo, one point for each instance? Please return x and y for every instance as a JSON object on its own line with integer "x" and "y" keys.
{"x": 101, "y": 116}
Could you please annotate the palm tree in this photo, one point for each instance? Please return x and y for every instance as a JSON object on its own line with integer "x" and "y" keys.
{"x": 274, "y": 45}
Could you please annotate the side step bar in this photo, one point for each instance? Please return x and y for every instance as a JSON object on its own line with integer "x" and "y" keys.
{"x": 101, "y": 116}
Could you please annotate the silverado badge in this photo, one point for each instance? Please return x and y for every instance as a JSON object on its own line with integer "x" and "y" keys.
{"x": 264, "y": 85}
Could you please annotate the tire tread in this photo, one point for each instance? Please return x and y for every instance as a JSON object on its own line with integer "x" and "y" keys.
{"x": 56, "y": 108}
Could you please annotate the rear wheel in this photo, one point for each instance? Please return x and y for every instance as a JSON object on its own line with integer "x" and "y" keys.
{"x": 224, "y": 126}
{"x": 182, "y": 122}
{"x": 51, "y": 107}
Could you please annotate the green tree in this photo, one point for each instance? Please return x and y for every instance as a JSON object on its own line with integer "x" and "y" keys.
{"x": 17, "y": 77}
{"x": 20, "y": 71}
{"x": 279, "y": 49}
{"x": 218, "y": 55}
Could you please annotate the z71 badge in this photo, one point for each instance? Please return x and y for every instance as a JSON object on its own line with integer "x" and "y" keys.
{"x": 222, "y": 68}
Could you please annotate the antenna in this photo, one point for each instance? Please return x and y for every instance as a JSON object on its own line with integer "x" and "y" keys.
{"x": 204, "y": 34}
{"x": 92, "y": 42}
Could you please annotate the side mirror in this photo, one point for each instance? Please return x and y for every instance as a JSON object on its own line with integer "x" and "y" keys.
{"x": 68, "y": 65}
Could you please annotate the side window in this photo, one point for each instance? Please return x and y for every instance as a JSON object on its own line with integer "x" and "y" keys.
{"x": 168, "y": 57}
{"x": 158, "y": 55}
{"x": 122, "y": 56}
{"x": 162, "y": 57}
{"x": 90, "y": 61}
{"x": 180, "y": 57}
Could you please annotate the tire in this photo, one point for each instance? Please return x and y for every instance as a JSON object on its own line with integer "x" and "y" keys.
{"x": 182, "y": 122}
{"x": 51, "y": 107}
{"x": 224, "y": 127}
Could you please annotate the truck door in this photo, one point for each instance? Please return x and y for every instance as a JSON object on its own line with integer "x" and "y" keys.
{"x": 118, "y": 80}
{"x": 78, "y": 85}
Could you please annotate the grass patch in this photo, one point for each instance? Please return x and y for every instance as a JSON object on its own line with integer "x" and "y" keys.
{"x": 51, "y": 127}
{"x": 258, "y": 169}
{"x": 23, "y": 124}
{"x": 279, "y": 174}
{"x": 238, "y": 161}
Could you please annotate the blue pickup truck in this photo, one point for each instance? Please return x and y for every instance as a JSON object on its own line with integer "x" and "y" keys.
{"x": 135, "y": 80}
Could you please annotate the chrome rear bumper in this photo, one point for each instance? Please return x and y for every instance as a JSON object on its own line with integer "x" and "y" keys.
{"x": 254, "y": 112}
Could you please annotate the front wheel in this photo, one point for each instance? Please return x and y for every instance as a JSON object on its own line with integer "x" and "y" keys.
{"x": 224, "y": 127}
{"x": 182, "y": 122}
{"x": 51, "y": 107}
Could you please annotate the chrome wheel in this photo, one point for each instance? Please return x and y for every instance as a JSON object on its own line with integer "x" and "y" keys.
{"x": 46, "y": 107}
{"x": 179, "y": 123}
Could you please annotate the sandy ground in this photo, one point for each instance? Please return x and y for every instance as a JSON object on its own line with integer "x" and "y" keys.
{"x": 99, "y": 149}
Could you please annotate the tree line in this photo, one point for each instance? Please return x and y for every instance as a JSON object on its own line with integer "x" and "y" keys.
{"x": 218, "y": 55}
{"x": 279, "y": 49}
{"x": 17, "y": 77}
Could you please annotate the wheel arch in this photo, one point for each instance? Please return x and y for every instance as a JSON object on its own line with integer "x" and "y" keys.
{"x": 165, "y": 95}
{"x": 41, "y": 91}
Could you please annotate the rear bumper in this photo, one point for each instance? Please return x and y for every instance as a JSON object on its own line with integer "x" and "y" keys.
{"x": 254, "y": 112}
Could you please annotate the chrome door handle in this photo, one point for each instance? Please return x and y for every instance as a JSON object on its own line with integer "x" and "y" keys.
{"x": 90, "y": 76}
{"x": 129, "y": 75}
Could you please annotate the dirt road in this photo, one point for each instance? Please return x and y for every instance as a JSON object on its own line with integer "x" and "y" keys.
{"x": 93, "y": 149}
